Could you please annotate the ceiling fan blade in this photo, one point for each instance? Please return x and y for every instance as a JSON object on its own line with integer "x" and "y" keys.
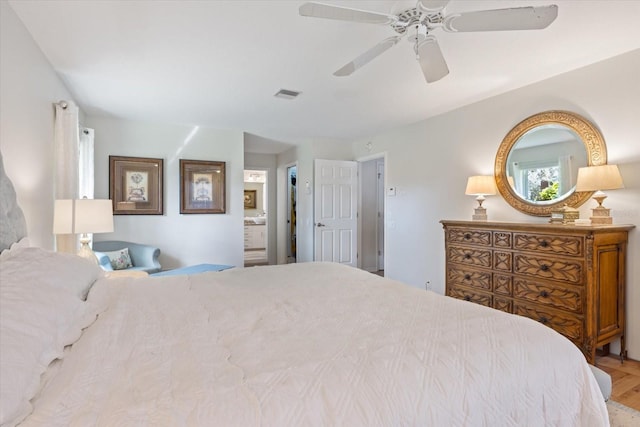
{"x": 432, "y": 5}
{"x": 519, "y": 18}
{"x": 319, "y": 10}
{"x": 432, "y": 62}
{"x": 366, "y": 57}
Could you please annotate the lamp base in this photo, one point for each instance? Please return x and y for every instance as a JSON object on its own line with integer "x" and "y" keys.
{"x": 85, "y": 251}
{"x": 479, "y": 214}
{"x": 601, "y": 215}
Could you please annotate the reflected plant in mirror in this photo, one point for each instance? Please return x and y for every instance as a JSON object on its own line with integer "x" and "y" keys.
{"x": 537, "y": 162}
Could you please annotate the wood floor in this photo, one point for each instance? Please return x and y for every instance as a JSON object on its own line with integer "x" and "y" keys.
{"x": 625, "y": 378}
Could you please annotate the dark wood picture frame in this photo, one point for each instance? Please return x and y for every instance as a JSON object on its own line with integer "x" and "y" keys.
{"x": 202, "y": 187}
{"x": 135, "y": 185}
{"x": 250, "y": 199}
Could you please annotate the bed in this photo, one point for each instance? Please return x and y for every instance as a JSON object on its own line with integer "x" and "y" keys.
{"x": 316, "y": 344}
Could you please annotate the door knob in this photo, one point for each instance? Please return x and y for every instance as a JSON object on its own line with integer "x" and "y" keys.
{"x": 319, "y": 224}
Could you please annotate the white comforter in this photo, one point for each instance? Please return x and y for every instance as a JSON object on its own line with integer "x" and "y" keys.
{"x": 311, "y": 344}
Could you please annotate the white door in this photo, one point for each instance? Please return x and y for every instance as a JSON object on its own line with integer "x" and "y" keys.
{"x": 335, "y": 211}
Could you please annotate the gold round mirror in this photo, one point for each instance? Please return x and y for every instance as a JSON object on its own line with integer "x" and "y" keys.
{"x": 537, "y": 162}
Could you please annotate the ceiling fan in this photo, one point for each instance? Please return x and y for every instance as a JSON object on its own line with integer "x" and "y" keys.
{"x": 419, "y": 22}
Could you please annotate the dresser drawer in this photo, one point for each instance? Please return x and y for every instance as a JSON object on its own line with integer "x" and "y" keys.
{"x": 502, "y": 239}
{"x": 502, "y": 260}
{"x": 562, "y": 297}
{"x": 571, "y": 326}
{"x": 469, "y": 277}
{"x": 468, "y": 294}
{"x": 503, "y": 304}
{"x": 467, "y": 236}
{"x": 560, "y": 245}
{"x": 549, "y": 267}
{"x": 502, "y": 284}
{"x": 470, "y": 256}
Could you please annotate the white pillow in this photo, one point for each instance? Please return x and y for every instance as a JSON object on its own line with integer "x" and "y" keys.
{"x": 41, "y": 311}
{"x": 57, "y": 269}
{"x": 120, "y": 259}
{"x": 22, "y": 243}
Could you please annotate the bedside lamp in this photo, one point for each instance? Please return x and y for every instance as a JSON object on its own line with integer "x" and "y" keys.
{"x": 598, "y": 178}
{"x": 83, "y": 216}
{"x": 480, "y": 186}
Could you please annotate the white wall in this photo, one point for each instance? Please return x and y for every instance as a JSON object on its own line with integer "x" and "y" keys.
{"x": 184, "y": 239}
{"x": 429, "y": 163}
{"x": 29, "y": 88}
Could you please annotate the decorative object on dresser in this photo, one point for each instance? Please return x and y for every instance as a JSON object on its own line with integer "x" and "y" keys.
{"x": 537, "y": 162}
{"x": 598, "y": 178}
{"x": 480, "y": 186}
{"x": 83, "y": 216}
{"x": 570, "y": 278}
{"x": 564, "y": 215}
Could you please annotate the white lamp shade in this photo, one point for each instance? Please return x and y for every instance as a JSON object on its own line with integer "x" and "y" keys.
{"x": 82, "y": 216}
{"x": 481, "y": 185}
{"x": 594, "y": 178}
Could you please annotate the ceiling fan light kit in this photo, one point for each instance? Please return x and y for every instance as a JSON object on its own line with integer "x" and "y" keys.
{"x": 427, "y": 16}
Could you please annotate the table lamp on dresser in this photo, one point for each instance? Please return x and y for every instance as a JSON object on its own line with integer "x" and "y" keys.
{"x": 598, "y": 178}
{"x": 480, "y": 186}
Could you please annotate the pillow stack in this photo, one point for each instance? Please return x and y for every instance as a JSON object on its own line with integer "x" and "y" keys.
{"x": 42, "y": 309}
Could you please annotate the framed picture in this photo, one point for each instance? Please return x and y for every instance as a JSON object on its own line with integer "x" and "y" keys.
{"x": 202, "y": 187}
{"x": 135, "y": 185}
{"x": 249, "y": 199}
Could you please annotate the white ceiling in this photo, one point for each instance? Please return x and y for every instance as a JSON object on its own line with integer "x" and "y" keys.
{"x": 219, "y": 63}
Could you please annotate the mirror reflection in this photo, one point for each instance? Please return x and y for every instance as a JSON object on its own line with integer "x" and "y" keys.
{"x": 542, "y": 165}
{"x": 537, "y": 162}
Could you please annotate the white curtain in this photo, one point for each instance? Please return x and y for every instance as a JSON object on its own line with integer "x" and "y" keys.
{"x": 66, "y": 164}
{"x": 85, "y": 165}
{"x": 565, "y": 175}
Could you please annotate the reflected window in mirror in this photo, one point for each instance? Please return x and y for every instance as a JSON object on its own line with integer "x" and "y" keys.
{"x": 543, "y": 164}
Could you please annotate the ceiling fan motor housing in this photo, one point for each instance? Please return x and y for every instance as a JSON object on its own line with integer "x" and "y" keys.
{"x": 413, "y": 18}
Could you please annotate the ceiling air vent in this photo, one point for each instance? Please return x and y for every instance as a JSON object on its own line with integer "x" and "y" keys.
{"x": 287, "y": 94}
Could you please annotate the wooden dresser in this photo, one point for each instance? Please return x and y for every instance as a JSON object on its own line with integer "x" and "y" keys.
{"x": 570, "y": 278}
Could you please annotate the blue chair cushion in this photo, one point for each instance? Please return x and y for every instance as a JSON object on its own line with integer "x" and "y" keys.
{"x": 143, "y": 257}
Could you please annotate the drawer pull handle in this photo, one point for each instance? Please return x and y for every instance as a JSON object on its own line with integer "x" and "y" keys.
{"x": 544, "y": 267}
{"x": 467, "y": 298}
{"x": 467, "y": 256}
{"x": 544, "y": 320}
{"x": 544, "y": 244}
{"x": 467, "y": 277}
{"x": 467, "y": 236}
{"x": 544, "y": 294}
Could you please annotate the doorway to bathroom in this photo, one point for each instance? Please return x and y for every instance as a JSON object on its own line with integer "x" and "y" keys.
{"x": 255, "y": 217}
{"x": 292, "y": 195}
